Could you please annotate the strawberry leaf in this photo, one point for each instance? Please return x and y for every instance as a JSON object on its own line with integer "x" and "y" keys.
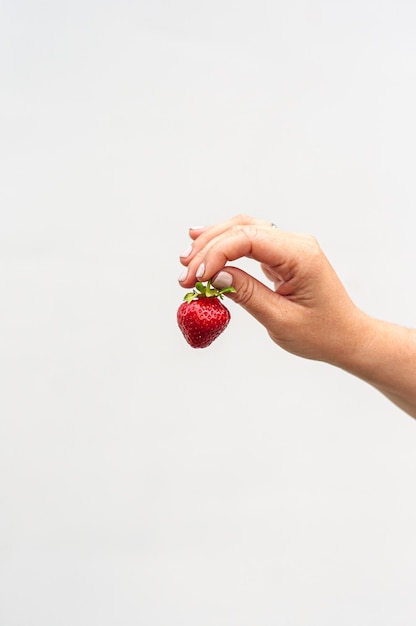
{"x": 192, "y": 295}
{"x": 206, "y": 291}
{"x": 200, "y": 287}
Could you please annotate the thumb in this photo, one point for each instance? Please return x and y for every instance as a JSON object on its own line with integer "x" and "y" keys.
{"x": 250, "y": 293}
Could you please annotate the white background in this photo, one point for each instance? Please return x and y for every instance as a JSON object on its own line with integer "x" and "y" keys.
{"x": 143, "y": 482}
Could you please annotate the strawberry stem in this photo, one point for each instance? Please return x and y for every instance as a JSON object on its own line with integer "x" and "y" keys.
{"x": 206, "y": 291}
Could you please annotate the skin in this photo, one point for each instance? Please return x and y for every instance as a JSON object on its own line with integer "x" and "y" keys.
{"x": 306, "y": 310}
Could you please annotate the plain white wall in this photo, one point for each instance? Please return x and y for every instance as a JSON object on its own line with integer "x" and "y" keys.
{"x": 141, "y": 481}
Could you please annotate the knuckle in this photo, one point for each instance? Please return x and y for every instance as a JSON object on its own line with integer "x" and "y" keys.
{"x": 312, "y": 252}
{"x": 248, "y": 229}
{"x": 311, "y": 246}
{"x": 244, "y": 293}
{"x": 243, "y": 219}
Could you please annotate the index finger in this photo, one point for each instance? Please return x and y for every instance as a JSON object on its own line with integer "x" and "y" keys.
{"x": 204, "y": 234}
{"x": 258, "y": 240}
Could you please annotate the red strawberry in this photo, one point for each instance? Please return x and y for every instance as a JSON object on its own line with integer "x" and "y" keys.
{"x": 202, "y": 317}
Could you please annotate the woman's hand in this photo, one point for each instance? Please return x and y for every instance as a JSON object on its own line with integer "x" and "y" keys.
{"x": 305, "y": 310}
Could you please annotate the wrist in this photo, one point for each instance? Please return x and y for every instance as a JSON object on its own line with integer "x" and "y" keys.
{"x": 353, "y": 350}
{"x": 384, "y": 355}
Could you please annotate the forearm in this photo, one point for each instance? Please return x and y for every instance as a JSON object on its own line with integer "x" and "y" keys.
{"x": 384, "y": 355}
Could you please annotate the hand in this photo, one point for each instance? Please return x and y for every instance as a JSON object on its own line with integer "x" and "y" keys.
{"x": 306, "y": 310}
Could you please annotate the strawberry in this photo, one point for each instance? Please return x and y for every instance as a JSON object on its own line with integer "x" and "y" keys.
{"x": 202, "y": 317}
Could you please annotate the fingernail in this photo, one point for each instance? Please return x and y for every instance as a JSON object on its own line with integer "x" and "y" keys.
{"x": 197, "y": 228}
{"x": 200, "y": 271}
{"x": 186, "y": 252}
{"x": 222, "y": 280}
{"x": 183, "y": 275}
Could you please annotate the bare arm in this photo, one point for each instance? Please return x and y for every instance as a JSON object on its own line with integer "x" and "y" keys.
{"x": 308, "y": 311}
{"x": 385, "y": 357}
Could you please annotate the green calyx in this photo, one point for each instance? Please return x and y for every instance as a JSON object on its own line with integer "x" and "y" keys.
{"x": 206, "y": 291}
